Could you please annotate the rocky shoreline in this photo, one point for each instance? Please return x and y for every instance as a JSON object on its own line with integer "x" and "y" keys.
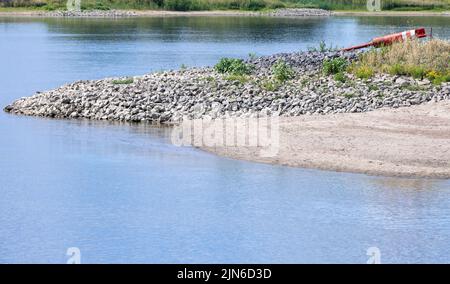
{"x": 89, "y": 14}
{"x": 297, "y": 12}
{"x": 171, "y": 96}
{"x": 157, "y": 13}
{"x": 284, "y": 12}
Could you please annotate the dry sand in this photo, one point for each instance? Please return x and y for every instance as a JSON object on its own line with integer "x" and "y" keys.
{"x": 407, "y": 142}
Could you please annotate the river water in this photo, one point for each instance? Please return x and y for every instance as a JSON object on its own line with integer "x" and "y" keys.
{"x": 123, "y": 194}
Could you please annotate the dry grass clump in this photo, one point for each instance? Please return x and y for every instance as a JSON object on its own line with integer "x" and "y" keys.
{"x": 419, "y": 59}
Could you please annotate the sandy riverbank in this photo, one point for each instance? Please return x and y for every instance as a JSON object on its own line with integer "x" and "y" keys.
{"x": 406, "y": 142}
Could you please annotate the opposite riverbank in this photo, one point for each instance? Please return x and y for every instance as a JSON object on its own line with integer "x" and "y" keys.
{"x": 215, "y": 13}
{"x": 165, "y": 13}
{"x": 424, "y": 13}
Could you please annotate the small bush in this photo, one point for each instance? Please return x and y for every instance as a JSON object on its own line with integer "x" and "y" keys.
{"x": 340, "y": 77}
{"x": 323, "y": 47}
{"x": 232, "y": 66}
{"x": 304, "y": 82}
{"x": 446, "y": 77}
{"x": 363, "y": 71}
{"x": 417, "y": 72}
{"x": 397, "y": 69}
{"x": 334, "y": 65}
{"x": 443, "y": 78}
{"x": 238, "y": 78}
{"x": 95, "y": 5}
{"x": 192, "y": 5}
{"x": 432, "y": 75}
{"x": 373, "y": 88}
{"x": 210, "y": 79}
{"x": 270, "y": 85}
{"x": 282, "y": 72}
{"x": 437, "y": 78}
{"x": 179, "y": 5}
{"x": 253, "y": 5}
{"x": 49, "y": 7}
{"x": 349, "y": 95}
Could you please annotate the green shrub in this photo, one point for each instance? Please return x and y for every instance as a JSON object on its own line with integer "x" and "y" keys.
{"x": 191, "y": 5}
{"x": 323, "y": 47}
{"x": 49, "y": 7}
{"x": 232, "y": 66}
{"x": 373, "y": 88}
{"x": 282, "y": 72}
{"x": 397, "y": 69}
{"x": 95, "y": 5}
{"x": 179, "y": 5}
{"x": 432, "y": 75}
{"x": 304, "y": 82}
{"x": 238, "y": 78}
{"x": 270, "y": 85}
{"x": 446, "y": 77}
{"x": 210, "y": 79}
{"x": 123, "y": 81}
{"x": 253, "y": 5}
{"x": 340, "y": 77}
{"x": 437, "y": 78}
{"x": 363, "y": 71}
{"x": 334, "y": 65}
{"x": 349, "y": 95}
{"x": 417, "y": 72}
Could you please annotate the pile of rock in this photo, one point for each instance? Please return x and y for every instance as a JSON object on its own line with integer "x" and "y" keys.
{"x": 89, "y": 14}
{"x": 297, "y": 12}
{"x": 168, "y": 97}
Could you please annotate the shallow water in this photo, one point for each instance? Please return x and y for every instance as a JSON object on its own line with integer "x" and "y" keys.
{"x": 122, "y": 193}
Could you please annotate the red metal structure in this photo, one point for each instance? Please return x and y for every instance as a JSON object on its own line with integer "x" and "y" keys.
{"x": 389, "y": 39}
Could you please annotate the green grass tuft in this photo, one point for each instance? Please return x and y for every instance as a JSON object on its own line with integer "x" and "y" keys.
{"x": 232, "y": 66}
{"x": 282, "y": 71}
{"x": 334, "y": 66}
{"x": 123, "y": 81}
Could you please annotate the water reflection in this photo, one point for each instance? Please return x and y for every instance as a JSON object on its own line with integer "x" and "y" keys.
{"x": 121, "y": 193}
{"x": 407, "y": 183}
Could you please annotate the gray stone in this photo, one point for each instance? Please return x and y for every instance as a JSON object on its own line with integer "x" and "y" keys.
{"x": 170, "y": 96}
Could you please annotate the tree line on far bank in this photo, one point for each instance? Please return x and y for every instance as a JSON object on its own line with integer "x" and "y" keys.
{"x": 252, "y": 5}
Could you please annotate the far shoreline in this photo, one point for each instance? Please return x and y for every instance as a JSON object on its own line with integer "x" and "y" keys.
{"x": 138, "y": 13}
{"x": 393, "y": 13}
{"x": 218, "y": 13}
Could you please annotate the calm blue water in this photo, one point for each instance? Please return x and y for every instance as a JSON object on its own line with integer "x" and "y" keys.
{"x": 123, "y": 194}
